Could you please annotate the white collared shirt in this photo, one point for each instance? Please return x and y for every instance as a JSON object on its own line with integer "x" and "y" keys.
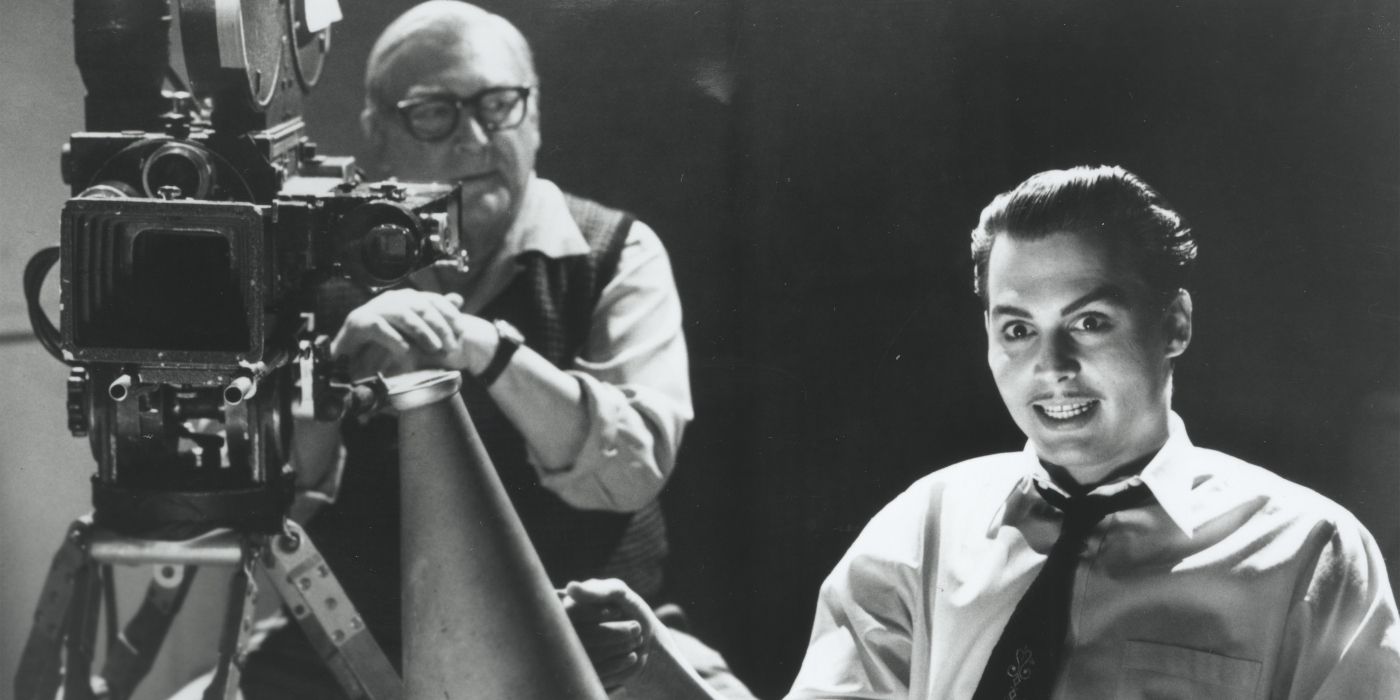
{"x": 634, "y": 369}
{"x": 1232, "y": 583}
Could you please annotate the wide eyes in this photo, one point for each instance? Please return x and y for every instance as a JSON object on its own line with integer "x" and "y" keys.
{"x": 1086, "y": 324}
{"x": 1090, "y": 323}
{"x": 1016, "y": 330}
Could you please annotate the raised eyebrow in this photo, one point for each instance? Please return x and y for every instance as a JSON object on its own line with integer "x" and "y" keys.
{"x": 1108, "y": 293}
{"x": 1009, "y": 310}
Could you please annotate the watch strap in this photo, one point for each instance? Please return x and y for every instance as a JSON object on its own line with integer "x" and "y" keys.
{"x": 508, "y": 341}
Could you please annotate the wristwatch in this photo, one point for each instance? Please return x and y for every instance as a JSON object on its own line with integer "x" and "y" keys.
{"x": 509, "y": 339}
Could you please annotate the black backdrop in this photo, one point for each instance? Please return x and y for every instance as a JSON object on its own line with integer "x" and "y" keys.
{"x": 814, "y": 168}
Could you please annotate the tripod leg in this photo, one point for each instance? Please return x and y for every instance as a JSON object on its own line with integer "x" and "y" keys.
{"x": 81, "y": 636}
{"x": 307, "y": 586}
{"x": 40, "y": 672}
{"x": 233, "y": 642}
{"x": 109, "y": 604}
{"x": 130, "y": 656}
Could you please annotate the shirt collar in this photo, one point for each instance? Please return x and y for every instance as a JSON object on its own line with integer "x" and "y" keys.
{"x": 544, "y": 225}
{"x": 1169, "y": 475}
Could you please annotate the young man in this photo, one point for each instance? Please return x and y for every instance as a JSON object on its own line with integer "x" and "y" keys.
{"x": 1111, "y": 558}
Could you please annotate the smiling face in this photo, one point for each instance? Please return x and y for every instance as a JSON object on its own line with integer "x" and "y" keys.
{"x": 1081, "y": 349}
{"x": 493, "y": 168}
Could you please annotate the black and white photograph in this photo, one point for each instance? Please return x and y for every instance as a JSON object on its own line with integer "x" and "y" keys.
{"x": 697, "y": 349}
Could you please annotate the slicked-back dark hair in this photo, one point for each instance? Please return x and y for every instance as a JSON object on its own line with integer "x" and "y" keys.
{"x": 1107, "y": 200}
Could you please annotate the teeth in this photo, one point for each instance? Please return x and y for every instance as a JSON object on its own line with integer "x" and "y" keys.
{"x": 1066, "y": 411}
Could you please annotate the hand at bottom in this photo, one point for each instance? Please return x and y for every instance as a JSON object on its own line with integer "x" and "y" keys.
{"x": 618, "y": 629}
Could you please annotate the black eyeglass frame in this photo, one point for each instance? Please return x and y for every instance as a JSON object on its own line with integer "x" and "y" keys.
{"x": 461, "y": 104}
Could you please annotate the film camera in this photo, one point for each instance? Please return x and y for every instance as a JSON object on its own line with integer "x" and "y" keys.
{"x": 202, "y": 231}
{"x": 204, "y": 241}
{"x": 203, "y": 237}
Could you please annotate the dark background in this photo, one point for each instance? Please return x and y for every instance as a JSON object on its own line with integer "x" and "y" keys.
{"x": 814, "y": 169}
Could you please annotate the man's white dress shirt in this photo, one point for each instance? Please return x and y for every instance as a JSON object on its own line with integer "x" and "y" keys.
{"x": 1232, "y": 583}
{"x": 633, "y": 369}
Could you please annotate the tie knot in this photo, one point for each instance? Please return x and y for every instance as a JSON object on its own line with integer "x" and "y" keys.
{"x": 1087, "y": 510}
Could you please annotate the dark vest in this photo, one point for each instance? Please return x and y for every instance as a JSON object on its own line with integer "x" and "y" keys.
{"x": 551, "y": 301}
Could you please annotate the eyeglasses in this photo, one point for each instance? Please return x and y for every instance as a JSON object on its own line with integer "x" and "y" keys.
{"x": 434, "y": 117}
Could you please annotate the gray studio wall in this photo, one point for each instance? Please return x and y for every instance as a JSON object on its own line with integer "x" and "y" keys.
{"x": 813, "y": 168}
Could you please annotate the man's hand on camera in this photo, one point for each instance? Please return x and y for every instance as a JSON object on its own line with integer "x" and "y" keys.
{"x": 407, "y": 329}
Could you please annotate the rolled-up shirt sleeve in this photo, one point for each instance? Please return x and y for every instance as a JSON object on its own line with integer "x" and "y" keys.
{"x": 635, "y": 377}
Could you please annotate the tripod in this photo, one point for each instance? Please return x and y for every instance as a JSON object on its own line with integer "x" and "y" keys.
{"x": 481, "y": 619}
{"x": 80, "y": 581}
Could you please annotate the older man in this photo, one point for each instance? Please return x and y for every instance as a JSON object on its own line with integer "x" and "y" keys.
{"x": 1111, "y": 558}
{"x": 566, "y": 327}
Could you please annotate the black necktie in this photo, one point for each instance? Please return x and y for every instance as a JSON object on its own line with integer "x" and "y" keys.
{"x": 1026, "y": 660}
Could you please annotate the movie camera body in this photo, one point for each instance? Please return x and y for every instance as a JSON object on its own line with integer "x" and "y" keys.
{"x": 202, "y": 228}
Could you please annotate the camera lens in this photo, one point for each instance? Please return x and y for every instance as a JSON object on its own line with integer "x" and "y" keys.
{"x": 181, "y": 165}
{"x": 390, "y": 252}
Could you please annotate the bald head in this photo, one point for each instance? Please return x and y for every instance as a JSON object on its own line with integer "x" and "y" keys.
{"x": 431, "y": 35}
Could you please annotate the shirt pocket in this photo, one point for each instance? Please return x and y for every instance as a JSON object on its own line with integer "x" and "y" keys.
{"x": 1154, "y": 671}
